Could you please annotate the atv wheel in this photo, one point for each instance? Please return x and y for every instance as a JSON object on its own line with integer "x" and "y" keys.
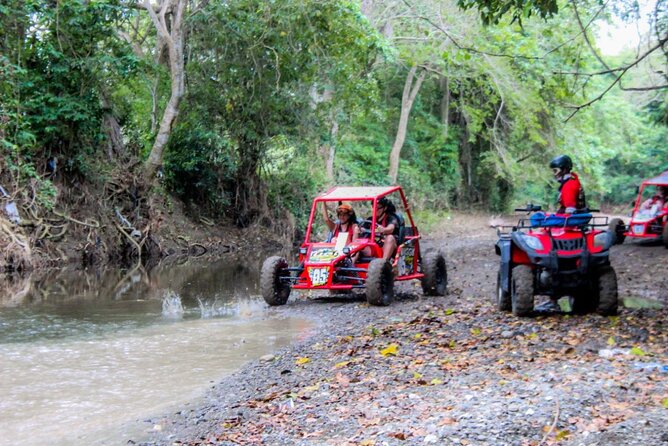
{"x": 274, "y": 291}
{"x": 435, "y": 280}
{"x": 585, "y": 301}
{"x": 521, "y": 293}
{"x": 379, "y": 283}
{"x": 503, "y": 301}
{"x": 606, "y": 282}
{"x": 665, "y": 235}
{"x": 617, "y": 228}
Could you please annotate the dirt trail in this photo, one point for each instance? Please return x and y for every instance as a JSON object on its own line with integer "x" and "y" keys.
{"x": 452, "y": 370}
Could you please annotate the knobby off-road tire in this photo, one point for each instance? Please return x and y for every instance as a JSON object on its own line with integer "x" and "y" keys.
{"x": 435, "y": 280}
{"x": 522, "y": 289}
{"x": 586, "y": 300}
{"x": 379, "y": 283}
{"x": 502, "y": 300}
{"x": 274, "y": 291}
{"x": 665, "y": 235}
{"x": 606, "y": 288}
{"x": 616, "y": 228}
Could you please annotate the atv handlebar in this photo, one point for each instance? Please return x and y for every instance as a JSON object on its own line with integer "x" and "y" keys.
{"x": 530, "y": 207}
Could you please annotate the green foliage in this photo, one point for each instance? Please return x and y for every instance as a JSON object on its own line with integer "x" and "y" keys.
{"x": 272, "y": 86}
{"x": 198, "y": 166}
{"x": 491, "y": 11}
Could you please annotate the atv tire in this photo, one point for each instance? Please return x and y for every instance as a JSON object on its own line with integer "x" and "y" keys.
{"x": 606, "y": 289}
{"x": 617, "y": 228}
{"x": 585, "y": 301}
{"x": 665, "y": 235}
{"x": 502, "y": 301}
{"x": 379, "y": 283}
{"x": 435, "y": 280}
{"x": 274, "y": 291}
{"x": 522, "y": 290}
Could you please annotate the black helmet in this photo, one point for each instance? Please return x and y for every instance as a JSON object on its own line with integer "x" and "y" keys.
{"x": 562, "y": 162}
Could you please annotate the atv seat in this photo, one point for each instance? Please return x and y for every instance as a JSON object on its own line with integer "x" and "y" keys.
{"x": 539, "y": 219}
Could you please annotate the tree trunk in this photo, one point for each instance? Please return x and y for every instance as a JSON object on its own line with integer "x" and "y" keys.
{"x": 172, "y": 33}
{"x": 410, "y": 92}
{"x": 331, "y": 152}
{"x": 445, "y": 104}
{"x": 112, "y": 129}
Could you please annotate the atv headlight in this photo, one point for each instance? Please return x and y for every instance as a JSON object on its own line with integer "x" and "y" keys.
{"x": 533, "y": 242}
{"x": 602, "y": 240}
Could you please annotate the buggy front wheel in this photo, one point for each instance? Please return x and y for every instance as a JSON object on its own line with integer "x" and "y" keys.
{"x": 522, "y": 289}
{"x": 379, "y": 283}
{"x": 274, "y": 290}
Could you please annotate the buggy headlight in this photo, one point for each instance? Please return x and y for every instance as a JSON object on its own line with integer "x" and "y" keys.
{"x": 303, "y": 251}
{"x": 346, "y": 250}
{"x": 533, "y": 242}
{"x": 602, "y": 240}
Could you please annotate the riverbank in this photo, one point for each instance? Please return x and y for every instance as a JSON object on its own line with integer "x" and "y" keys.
{"x": 451, "y": 370}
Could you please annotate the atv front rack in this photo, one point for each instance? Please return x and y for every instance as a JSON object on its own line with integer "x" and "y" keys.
{"x": 574, "y": 221}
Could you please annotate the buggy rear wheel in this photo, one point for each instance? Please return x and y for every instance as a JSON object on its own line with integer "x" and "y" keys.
{"x": 522, "y": 289}
{"x": 379, "y": 283}
{"x": 435, "y": 280}
{"x": 606, "y": 288}
{"x": 503, "y": 301}
{"x": 274, "y": 290}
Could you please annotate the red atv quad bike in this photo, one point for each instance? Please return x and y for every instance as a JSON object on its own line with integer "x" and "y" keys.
{"x": 647, "y": 224}
{"x": 557, "y": 255}
{"x": 341, "y": 267}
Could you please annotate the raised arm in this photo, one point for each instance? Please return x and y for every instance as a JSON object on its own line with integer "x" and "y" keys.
{"x": 325, "y": 216}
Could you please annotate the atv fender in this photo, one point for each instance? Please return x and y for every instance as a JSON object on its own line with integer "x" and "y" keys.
{"x": 503, "y": 249}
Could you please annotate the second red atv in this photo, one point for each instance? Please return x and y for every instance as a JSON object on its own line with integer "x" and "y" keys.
{"x": 556, "y": 256}
{"x": 341, "y": 267}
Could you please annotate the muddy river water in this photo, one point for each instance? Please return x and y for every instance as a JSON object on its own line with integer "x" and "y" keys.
{"x": 83, "y": 356}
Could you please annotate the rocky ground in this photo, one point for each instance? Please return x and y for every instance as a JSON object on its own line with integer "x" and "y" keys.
{"x": 453, "y": 370}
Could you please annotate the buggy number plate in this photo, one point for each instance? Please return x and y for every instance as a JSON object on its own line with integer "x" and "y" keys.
{"x": 638, "y": 229}
{"x": 318, "y": 276}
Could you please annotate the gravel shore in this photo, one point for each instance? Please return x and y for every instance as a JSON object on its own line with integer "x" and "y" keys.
{"x": 452, "y": 370}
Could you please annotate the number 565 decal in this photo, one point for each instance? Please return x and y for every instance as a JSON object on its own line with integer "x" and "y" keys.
{"x": 318, "y": 276}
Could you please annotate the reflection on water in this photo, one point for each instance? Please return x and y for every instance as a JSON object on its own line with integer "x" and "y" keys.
{"x": 83, "y": 354}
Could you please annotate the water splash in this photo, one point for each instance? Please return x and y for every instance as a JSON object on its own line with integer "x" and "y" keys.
{"x": 246, "y": 307}
{"x": 172, "y": 307}
{"x": 209, "y": 310}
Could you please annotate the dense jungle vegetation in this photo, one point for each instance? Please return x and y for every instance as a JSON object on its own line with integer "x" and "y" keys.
{"x": 247, "y": 109}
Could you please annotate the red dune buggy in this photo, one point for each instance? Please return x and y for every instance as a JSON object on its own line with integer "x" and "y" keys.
{"x": 342, "y": 266}
{"x": 649, "y": 219}
{"x": 556, "y": 256}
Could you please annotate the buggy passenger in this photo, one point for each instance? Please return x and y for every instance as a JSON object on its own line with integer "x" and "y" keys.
{"x": 656, "y": 204}
{"x": 346, "y": 222}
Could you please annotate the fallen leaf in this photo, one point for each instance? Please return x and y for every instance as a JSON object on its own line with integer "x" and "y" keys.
{"x": 637, "y": 351}
{"x": 390, "y": 350}
{"x": 301, "y": 361}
